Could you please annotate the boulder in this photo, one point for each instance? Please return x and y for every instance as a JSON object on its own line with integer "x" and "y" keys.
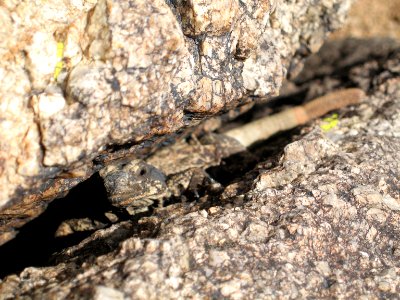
{"x": 317, "y": 217}
{"x": 86, "y": 80}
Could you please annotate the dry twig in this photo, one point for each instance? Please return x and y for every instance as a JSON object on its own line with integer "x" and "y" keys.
{"x": 264, "y": 128}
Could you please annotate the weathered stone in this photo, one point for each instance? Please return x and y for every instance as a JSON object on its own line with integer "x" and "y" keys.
{"x": 330, "y": 229}
{"x": 80, "y": 77}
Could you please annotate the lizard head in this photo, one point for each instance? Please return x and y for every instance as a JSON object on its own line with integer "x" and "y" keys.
{"x": 133, "y": 183}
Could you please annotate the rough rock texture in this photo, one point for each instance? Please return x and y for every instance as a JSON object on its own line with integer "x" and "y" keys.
{"x": 78, "y": 77}
{"x": 322, "y": 222}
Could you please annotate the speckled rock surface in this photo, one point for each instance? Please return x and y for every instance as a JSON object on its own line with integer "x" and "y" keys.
{"x": 323, "y": 221}
{"x": 79, "y": 77}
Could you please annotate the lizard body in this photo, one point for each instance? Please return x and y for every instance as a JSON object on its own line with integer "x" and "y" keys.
{"x": 136, "y": 184}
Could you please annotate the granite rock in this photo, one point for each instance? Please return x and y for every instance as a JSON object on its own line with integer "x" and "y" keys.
{"x": 83, "y": 78}
{"x": 321, "y": 222}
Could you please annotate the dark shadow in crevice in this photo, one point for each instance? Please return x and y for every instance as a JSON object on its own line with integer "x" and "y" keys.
{"x": 338, "y": 60}
{"x": 234, "y": 167}
{"x": 241, "y": 170}
{"x": 36, "y": 240}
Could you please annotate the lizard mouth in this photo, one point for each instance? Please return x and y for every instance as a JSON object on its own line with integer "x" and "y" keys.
{"x": 126, "y": 199}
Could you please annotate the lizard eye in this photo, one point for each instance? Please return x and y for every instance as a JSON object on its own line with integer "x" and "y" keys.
{"x": 142, "y": 172}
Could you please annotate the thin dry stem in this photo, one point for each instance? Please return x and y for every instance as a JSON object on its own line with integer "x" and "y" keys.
{"x": 265, "y": 127}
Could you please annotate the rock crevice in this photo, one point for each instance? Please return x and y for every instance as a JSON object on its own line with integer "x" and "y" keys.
{"x": 82, "y": 79}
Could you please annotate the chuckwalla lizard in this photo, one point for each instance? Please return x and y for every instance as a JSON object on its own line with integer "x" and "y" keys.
{"x": 136, "y": 184}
